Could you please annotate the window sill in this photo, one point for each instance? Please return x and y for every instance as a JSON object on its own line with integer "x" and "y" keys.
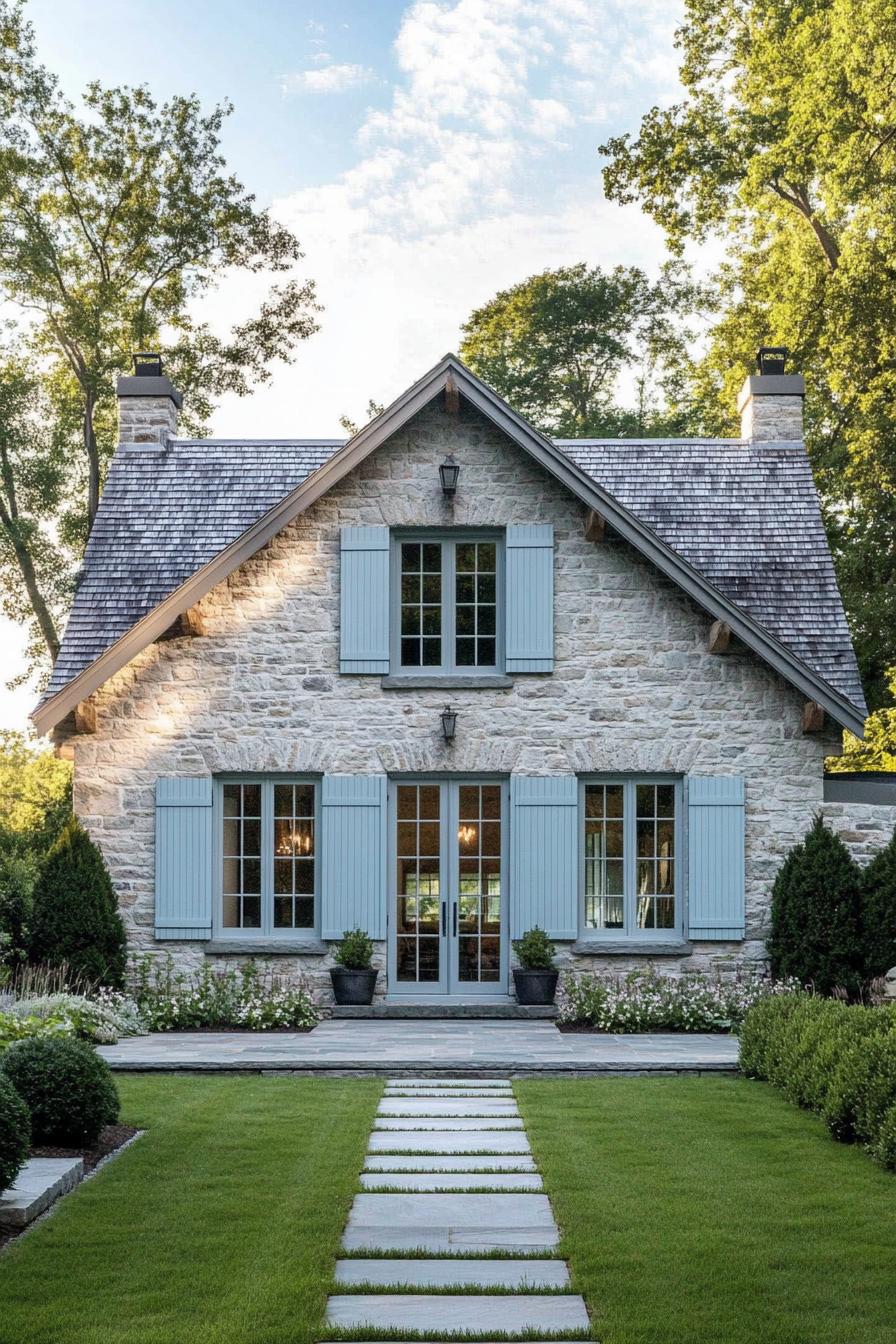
{"x": 453, "y": 681}
{"x": 592, "y": 947}
{"x": 268, "y": 947}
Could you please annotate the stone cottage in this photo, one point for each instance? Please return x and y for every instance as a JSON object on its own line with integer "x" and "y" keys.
{"x": 451, "y": 679}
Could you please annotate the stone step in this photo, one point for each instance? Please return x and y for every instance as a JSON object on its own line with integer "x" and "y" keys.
{"x": 449, "y": 1180}
{"x": 439, "y": 1106}
{"x": 39, "y": 1184}
{"x": 449, "y": 1093}
{"x": 510, "y": 1315}
{"x": 439, "y": 1162}
{"x": 448, "y": 1082}
{"x": 442, "y": 1222}
{"x": 455, "y": 1011}
{"x": 525, "y": 1275}
{"x": 448, "y": 1141}
{"x": 416, "y": 1124}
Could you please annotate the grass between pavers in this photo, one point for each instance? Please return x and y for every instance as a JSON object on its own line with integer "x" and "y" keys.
{"x": 700, "y": 1210}
{"x": 221, "y": 1226}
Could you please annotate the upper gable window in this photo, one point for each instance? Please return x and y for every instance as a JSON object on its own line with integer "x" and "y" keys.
{"x": 447, "y": 608}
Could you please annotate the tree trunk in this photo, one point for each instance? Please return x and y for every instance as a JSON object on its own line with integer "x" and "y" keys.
{"x": 93, "y": 461}
{"x": 29, "y": 577}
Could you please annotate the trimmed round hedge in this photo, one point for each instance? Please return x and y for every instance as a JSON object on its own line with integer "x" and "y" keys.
{"x": 15, "y": 1133}
{"x": 67, "y": 1088}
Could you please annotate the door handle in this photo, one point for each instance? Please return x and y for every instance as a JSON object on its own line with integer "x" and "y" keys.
{"x": 455, "y": 919}
{"x": 443, "y": 919}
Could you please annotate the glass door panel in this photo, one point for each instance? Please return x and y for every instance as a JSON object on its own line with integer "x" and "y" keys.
{"x": 419, "y": 924}
{"x": 449, "y": 899}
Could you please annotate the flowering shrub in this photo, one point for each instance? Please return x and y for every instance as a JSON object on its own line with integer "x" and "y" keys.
{"x": 646, "y": 1000}
{"x": 102, "y": 1019}
{"x": 170, "y": 1000}
{"x": 18, "y": 1027}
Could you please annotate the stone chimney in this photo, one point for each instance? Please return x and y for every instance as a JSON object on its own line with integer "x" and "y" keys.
{"x": 148, "y": 404}
{"x": 771, "y": 401}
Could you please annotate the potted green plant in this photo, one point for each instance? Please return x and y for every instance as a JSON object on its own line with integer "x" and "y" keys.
{"x": 354, "y": 979}
{"x": 536, "y": 976}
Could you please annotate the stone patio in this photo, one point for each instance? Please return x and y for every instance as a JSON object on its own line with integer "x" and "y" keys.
{"x": 412, "y": 1049}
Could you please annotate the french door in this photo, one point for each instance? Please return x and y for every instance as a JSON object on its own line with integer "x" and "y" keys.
{"x": 448, "y": 890}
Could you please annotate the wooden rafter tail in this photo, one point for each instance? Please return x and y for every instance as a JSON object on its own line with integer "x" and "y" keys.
{"x": 719, "y": 639}
{"x": 188, "y": 625}
{"x": 813, "y": 717}
{"x": 595, "y": 526}
{"x": 452, "y": 396}
{"x": 85, "y": 717}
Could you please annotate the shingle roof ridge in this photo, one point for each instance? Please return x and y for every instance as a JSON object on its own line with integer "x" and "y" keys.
{"x": 250, "y": 443}
{"x": 654, "y": 442}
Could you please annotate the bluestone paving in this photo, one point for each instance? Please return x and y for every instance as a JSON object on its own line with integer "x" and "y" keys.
{"x": 525, "y": 1275}
{"x": 443, "y": 1201}
{"x": 450, "y": 1141}
{"x": 451, "y": 1180}
{"x": 423, "y": 1123}
{"x": 455, "y": 1211}
{"x": 436, "y": 1162}
{"x": 462, "y": 1050}
{"x": 415, "y": 1106}
{"x": 417, "y": 1312}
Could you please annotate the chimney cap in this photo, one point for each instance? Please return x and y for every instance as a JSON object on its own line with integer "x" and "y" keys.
{"x": 772, "y": 359}
{"x": 147, "y": 364}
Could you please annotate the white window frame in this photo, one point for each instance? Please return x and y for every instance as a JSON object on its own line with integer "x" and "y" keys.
{"x": 449, "y": 539}
{"x": 267, "y": 931}
{"x": 630, "y": 932}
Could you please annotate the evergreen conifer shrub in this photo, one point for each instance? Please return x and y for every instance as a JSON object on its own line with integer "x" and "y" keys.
{"x": 815, "y": 914}
{"x": 878, "y": 920}
{"x": 75, "y": 920}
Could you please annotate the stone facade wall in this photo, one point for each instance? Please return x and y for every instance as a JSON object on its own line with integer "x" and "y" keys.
{"x": 634, "y": 687}
{"x": 864, "y": 827}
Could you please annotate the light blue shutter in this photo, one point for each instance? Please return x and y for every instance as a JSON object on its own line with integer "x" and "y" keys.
{"x": 353, "y": 855}
{"x": 184, "y": 857}
{"x": 544, "y": 847}
{"x": 529, "y": 559}
{"x": 715, "y": 856}
{"x": 364, "y": 600}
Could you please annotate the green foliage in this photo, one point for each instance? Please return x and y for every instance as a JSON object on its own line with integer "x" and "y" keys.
{"x": 783, "y": 148}
{"x": 15, "y": 1133}
{"x": 18, "y": 874}
{"x": 170, "y": 1000}
{"x": 35, "y": 791}
{"x": 67, "y": 1088}
{"x": 555, "y": 344}
{"x": 354, "y": 951}
{"x": 535, "y": 951}
{"x": 116, "y": 218}
{"x": 879, "y": 912}
{"x": 76, "y": 921}
{"x": 815, "y": 914}
{"x": 885, "y": 1147}
{"x": 836, "y": 1059}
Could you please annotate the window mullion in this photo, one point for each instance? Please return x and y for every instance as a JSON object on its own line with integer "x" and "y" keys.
{"x": 267, "y": 857}
{"x": 449, "y": 610}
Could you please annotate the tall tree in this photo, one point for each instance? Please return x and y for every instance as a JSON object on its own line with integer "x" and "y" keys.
{"x": 556, "y": 345}
{"x": 115, "y": 218}
{"x": 785, "y": 147}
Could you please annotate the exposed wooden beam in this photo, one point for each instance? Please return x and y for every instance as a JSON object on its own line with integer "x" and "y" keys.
{"x": 595, "y": 526}
{"x": 452, "y": 396}
{"x": 85, "y": 717}
{"x": 719, "y": 637}
{"x": 187, "y": 625}
{"x": 813, "y": 717}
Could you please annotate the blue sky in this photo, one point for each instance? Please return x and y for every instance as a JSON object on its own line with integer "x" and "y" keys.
{"x": 426, "y": 155}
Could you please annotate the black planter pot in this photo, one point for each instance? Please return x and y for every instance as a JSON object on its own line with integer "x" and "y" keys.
{"x": 353, "y": 986}
{"x": 535, "y": 986}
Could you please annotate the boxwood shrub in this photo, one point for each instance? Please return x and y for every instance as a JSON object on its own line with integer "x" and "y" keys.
{"x": 67, "y": 1088}
{"x": 15, "y": 1133}
{"x": 833, "y": 1058}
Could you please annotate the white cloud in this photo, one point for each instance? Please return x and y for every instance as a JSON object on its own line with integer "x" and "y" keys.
{"x": 328, "y": 79}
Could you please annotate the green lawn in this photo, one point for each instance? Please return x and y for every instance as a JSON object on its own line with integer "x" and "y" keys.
{"x": 710, "y": 1211}
{"x": 221, "y": 1224}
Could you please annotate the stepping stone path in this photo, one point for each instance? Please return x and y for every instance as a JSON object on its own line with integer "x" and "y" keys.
{"x": 449, "y": 1176}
